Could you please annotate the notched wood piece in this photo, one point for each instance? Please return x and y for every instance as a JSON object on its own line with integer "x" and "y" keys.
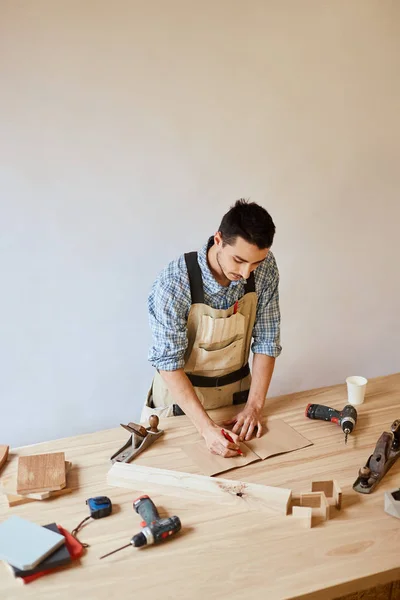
{"x": 331, "y": 490}
{"x": 316, "y": 501}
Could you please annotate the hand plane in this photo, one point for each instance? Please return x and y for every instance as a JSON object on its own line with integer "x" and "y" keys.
{"x": 387, "y": 451}
{"x": 141, "y": 438}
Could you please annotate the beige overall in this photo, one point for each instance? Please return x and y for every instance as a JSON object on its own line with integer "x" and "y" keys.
{"x": 218, "y": 345}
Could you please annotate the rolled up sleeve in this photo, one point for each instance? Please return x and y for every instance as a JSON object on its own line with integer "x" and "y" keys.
{"x": 168, "y": 305}
{"x": 267, "y": 326}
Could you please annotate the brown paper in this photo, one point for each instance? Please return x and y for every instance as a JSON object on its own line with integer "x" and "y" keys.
{"x": 212, "y": 464}
{"x": 279, "y": 438}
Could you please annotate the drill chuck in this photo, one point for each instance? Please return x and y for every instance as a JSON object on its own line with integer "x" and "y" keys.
{"x": 348, "y": 424}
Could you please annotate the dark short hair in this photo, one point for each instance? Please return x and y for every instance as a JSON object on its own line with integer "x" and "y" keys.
{"x": 249, "y": 221}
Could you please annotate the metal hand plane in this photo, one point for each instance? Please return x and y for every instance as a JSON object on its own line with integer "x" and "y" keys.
{"x": 141, "y": 438}
{"x": 387, "y": 451}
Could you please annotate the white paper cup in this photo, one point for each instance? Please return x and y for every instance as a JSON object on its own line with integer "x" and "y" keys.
{"x": 356, "y": 389}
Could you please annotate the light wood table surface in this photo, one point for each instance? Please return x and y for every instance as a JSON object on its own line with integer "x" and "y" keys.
{"x": 224, "y": 552}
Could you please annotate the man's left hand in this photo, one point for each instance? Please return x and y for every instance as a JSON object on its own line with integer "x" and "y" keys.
{"x": 247, "y": 422}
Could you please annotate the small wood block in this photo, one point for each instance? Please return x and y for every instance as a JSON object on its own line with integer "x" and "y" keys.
{"x": 41, "y": 473}
{"x": 317, "y": 501}
{"x": 3, "y": 455}
{"x": 331, "y": 490}
{"x": 304, "y": 513}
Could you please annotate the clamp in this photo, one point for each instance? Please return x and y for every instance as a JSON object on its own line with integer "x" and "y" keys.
{"x": 141, "y": 438}
{"x": 387, "y": 451}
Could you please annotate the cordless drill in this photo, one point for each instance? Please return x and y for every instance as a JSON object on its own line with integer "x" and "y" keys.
{"x": 155, "y": 529}
{"x": 346, "y": 418}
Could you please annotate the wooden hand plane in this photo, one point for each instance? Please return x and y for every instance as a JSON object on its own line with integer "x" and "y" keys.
{"x": 141, "y": 438}
{"x": 387, "y": 451}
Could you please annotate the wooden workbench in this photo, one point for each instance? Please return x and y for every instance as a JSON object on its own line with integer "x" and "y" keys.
{"x": 224, "y": 552}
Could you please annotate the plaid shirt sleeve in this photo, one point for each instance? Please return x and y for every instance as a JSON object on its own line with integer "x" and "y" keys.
{"x": 266, "y": 331}
{"x": 168, "y": 307}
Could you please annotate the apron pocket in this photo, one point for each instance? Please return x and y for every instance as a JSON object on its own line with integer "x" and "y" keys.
{"x": 223, "y": 330}
{"x": 227, "y": 359}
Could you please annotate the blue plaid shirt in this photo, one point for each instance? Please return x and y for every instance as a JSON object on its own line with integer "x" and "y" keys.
{"x": 169, "y": 303}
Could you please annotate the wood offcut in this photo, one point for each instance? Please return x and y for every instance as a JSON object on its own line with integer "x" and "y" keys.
{"x": 41, "y": 473}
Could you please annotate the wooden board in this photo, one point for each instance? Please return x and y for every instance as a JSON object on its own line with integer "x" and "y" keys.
{"x": 3, "y": 455}
{"x": 41, "y": 473}
{"x": 167, "y": 482}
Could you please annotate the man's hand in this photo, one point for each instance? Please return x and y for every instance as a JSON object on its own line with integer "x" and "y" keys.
{"x": 247, "y": 422}
{"x": 218, "y": 444}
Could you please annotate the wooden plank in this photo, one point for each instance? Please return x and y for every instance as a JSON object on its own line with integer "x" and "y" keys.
{"x": 3, "y": 455}
{"x": 41, "y": 473}
{"x": 150, "y": 479}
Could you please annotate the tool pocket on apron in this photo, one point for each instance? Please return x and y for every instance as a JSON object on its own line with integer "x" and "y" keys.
{"x": 221, "y": 332}
{"x": 220, "y": 343}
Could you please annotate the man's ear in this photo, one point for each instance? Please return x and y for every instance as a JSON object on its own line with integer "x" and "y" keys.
{"x": 218, "y": 239}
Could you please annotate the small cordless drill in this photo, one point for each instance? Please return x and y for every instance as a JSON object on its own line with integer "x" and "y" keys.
{"x": 155, "y": 529}
{"x": 346, "y": 418}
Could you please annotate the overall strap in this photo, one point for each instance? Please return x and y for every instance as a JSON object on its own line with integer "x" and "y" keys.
{"x": 195, "y": 278}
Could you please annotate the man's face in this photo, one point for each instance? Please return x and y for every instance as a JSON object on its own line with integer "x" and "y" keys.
{"x": 239, "y": 260}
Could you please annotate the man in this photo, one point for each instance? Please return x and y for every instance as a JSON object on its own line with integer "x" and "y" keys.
{"x": 204, "y": 309}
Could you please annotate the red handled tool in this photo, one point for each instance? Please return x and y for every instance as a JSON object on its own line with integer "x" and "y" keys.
{"x": 346, "y": 418}
{"x": 228, "y": 437}
{"x": 155, "y": 529}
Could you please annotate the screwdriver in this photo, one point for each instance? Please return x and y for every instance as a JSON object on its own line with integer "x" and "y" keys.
{"x": 155, "y": 529}
{"x": 346, "y": 418}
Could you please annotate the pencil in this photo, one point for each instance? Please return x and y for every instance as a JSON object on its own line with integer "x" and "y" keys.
{"x": 228, "y": 437}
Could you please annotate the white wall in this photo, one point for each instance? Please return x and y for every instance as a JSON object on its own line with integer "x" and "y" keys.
{"x": 129, "y": 127}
